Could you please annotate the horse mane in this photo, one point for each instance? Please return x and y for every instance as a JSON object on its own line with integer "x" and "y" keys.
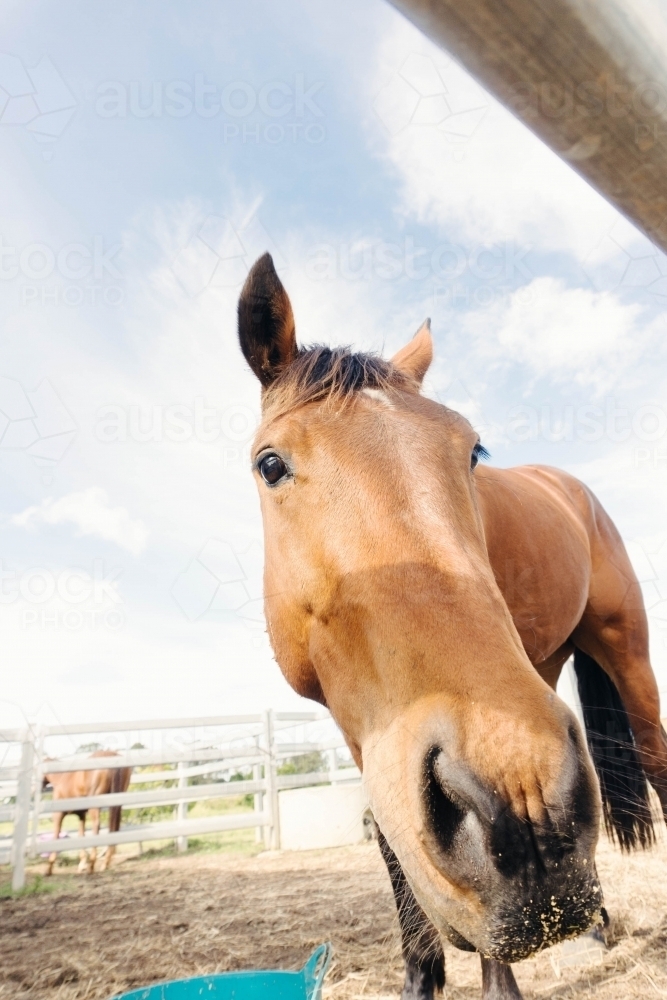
{"x": 333, "y": 374}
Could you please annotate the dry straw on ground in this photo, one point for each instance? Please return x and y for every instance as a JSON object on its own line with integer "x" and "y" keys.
{"x": 148, "y": 920}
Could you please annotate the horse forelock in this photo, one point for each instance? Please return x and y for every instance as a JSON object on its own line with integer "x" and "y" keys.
{"x": 334, "y": 375}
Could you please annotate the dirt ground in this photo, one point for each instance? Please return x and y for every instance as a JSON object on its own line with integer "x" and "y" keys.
{"x": 89, "y": 937}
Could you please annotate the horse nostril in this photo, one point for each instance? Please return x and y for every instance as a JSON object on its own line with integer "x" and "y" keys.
{"x": 444, "y": 813}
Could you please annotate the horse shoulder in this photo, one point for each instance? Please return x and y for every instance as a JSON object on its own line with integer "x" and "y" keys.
{"x": 538, "y": 524}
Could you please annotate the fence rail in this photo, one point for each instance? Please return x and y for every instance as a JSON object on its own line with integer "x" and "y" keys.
{"x": 140, "y": 758}
{"x": 254, "y": 743}
{"x": 191, "y": 722}
{"x": 158, "y": 831}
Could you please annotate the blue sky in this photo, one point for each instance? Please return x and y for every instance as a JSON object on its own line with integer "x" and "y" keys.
{"x": 148, "y": 153}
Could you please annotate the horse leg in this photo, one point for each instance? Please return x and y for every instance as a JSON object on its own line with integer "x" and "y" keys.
{"x": 114, "y": 827}
{"x": 109, "y": 849}
{"x": 108, "y": 855}
{"x": 84, "y": 861}
{"x": 498, "y": 982}
{"x": 57, "y": 826}
{"x": 95, "y": 823}
{"x": 422, "y": 948}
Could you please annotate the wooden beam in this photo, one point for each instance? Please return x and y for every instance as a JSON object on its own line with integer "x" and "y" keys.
{"x": 589, "y": 77}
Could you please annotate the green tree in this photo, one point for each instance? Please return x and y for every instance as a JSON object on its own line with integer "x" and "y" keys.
{"x": 304, "y": 763}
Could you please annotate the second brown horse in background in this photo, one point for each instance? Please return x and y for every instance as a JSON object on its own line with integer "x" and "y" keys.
{"x": 81, "y": 784}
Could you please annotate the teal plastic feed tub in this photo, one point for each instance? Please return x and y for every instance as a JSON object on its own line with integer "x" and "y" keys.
{"x": 303, "y": 985}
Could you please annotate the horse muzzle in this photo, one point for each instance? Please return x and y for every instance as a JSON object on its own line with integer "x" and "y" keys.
{"x": 489, "y": 874}
{"x": 535, "y": 882}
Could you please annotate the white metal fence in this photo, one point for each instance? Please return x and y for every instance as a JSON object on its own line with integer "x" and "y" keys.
{"x": 11, "y": 766}
{"x": 217, "y": 747}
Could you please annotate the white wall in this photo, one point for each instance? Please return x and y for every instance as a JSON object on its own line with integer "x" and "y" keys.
{"x": 323, "y": 816}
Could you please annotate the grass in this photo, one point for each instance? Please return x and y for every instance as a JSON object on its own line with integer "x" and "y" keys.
{"x": 232, "y": 841}
{"x": 239, "y": 842}
{"x": 36, "y": 885}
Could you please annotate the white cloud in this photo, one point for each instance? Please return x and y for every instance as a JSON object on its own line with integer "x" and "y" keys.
{"x": 90, "y": 511}
{"x": 551, "y": 326}
{"x": 571, "y": 333}
{"x": 496, "y": 180}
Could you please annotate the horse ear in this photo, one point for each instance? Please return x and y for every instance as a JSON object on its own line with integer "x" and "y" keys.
{"x": 266, "y": 323}
{"x": 414, "y": 359}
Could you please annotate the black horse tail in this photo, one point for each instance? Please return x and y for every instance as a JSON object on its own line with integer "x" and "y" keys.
{"x": 626, "y": 803}
{"x": 117, "y": 785}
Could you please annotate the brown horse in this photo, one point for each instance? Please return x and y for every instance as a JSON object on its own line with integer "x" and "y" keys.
{"x": 431, "y": 604}
{"x": 81, "y": 784}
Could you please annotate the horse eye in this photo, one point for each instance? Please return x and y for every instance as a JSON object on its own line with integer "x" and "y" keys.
{"x": 479, "y": 451}
{"x": 272, "y": 469}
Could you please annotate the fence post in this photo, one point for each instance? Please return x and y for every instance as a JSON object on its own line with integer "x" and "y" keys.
{"x": 182, "y": 807}
{"x": 37, "y": 797}
{"x": 258, "y": 802}
{"x": 22, "y": 811}
{"x": 333, "y": 765}
{"x": 270, "y": 772}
